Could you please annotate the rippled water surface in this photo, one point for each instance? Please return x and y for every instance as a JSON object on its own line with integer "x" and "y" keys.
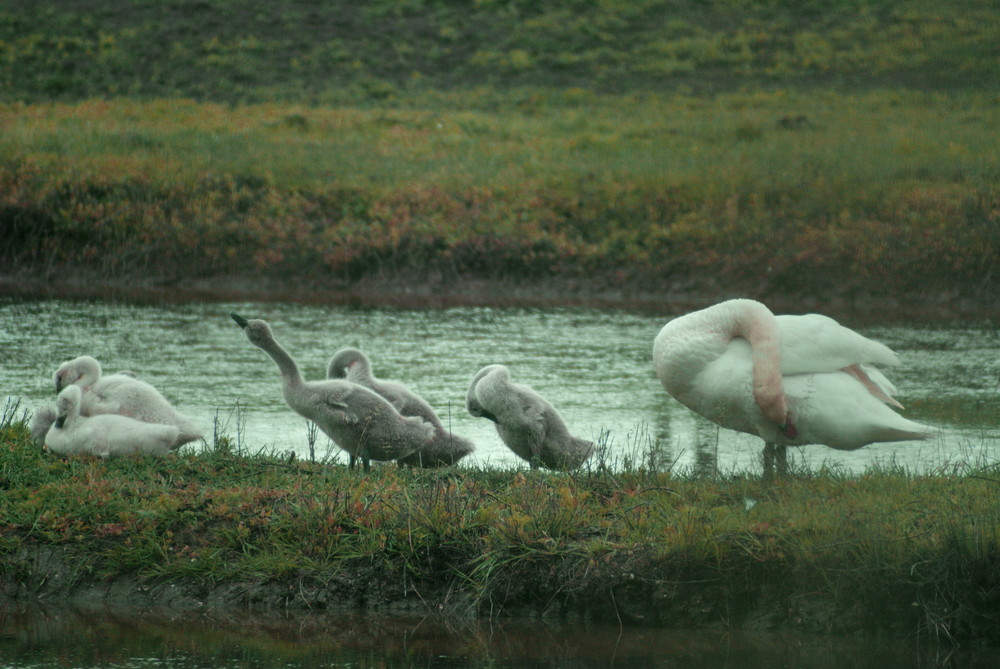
{"x": 593, "y": 365}
{"x": 38, "y": 638}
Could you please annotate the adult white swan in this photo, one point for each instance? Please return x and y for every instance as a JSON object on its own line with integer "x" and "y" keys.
{"x": 104, "y": 435}
{"x": 357, "y": 419}
{"x": 444, "y": 449}
{"x": 525, "y": 421}
{"x": 791, "y": 380}
{"x": 122, "y": 394}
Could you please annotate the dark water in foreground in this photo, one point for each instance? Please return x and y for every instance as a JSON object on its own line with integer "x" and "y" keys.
{"x": 38, "y": 638}
{"x": 594, "y": 365}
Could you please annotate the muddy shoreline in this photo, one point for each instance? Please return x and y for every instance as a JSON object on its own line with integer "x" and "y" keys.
{"x": 741, "y": 596}
{"x": 857, "y": 304}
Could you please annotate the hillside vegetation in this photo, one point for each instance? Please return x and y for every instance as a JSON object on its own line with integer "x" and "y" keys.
{"x": 760, "y": 147}
{"x": 340, "y": 50}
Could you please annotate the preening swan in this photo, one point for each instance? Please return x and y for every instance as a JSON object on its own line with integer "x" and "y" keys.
{"x": 525, "y": 421}
{"x": 791, "y": 380}
{"x": 357, "y": 419}
{"x": 444, "y": 449}
{"x": 122, "y": 394}
{"x": 104, "y": 435}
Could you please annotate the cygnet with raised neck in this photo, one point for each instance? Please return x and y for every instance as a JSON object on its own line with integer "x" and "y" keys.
{"x": 357, "y": 419}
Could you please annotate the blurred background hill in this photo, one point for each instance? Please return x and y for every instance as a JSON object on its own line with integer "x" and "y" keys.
{"x": 341, "y": 50}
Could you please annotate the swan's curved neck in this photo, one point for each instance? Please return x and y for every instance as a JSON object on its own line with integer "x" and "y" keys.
{"x": 72, "y": 413}
{"x": 757, "y": 325}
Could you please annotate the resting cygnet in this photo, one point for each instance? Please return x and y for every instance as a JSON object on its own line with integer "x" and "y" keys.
{"x": 104, "y": 435}
{"x": 122, "y": 394}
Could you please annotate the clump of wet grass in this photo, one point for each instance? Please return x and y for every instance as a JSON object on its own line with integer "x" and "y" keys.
{"x": 886, "y": 551}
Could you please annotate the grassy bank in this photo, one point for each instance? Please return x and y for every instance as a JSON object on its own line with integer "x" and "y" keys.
{"x": 808, "y": 193}
{"x": 884, "y": 552}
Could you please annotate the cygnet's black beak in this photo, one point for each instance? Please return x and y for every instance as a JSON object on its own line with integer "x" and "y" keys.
{"x": 60, "y": 421}
{"x": 242, "y": 322}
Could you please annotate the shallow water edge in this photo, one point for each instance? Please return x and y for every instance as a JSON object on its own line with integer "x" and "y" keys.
{"x": 862, "y": 304}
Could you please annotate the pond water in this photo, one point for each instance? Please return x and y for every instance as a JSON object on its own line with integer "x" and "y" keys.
{"x": 37, "y": 638}
{"x": 593, "y": 365}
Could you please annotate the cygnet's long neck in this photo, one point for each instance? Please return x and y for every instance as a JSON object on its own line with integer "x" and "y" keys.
{"x": 360, "y": 372}
{"x": 68, "y": 409}
{"x": 291, "y": 377}
{"x": 90, "y": 372}
{"x": 73, "y": 411}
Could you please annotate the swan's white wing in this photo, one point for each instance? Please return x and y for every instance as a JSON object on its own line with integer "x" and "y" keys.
{"x": 835, "y": 410}
{"x": 815, "y": 343}
{"x": 878, "y": 378}
{"x": 125, "y": 395}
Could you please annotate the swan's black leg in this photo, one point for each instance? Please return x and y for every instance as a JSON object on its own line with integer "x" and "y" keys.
{"x": 775, "y": 457}
{"x": 353, "y": 462}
